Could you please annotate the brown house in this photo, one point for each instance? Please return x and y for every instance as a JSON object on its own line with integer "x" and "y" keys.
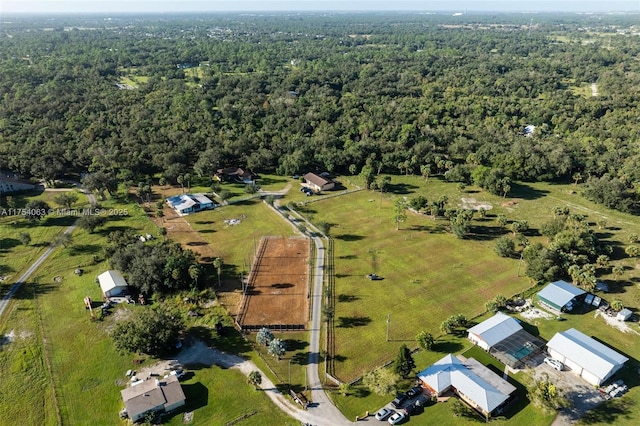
{"x": 318, "y": 183}
{"x": 235, "y": 174}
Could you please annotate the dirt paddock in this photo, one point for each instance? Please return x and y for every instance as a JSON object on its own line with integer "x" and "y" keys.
{"x": 278, "y": 285}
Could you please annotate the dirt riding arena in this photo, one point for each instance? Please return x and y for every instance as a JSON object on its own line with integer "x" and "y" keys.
{"x": 278, "y": 286}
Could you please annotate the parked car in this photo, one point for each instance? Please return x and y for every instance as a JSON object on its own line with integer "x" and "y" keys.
{"x": 397, "y": 418}
{"x": 399, "y": 400}
{"x": 554, "y": 363}
{"x": 414, "y": 408}
{"x": 384, "y": 413}
{"x": 414, "y": 391}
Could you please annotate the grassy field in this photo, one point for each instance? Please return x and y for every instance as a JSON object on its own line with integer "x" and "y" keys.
{"x": 65, "y": 364}
{"x": 428, "y": 275}
{"x": 15, "y": 257}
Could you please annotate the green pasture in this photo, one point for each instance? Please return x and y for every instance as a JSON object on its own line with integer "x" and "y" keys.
{"x": 26, "y": 378}
{"x": 235, "y": 243}
{"x": 429, "y": 274}
{"x": 16, "y": 257}
{"x": 63, "y": 362}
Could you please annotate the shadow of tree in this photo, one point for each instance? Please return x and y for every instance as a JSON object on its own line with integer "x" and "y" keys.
{"x": 300, "y": 358}
{"x": 8, "y": 243}
{"x": 349, "y": 237}
{"x": 447, "y": 347}
{"x": 348, "y": 298}
{"x": 350, "y": 322}
{"x": 610, "y": 412}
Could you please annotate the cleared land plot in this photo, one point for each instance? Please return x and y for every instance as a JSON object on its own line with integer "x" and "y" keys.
{"x": 428, "y": 274}
{"x": 278, "y": 286}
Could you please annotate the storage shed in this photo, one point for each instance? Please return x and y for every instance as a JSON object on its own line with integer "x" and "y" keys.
{"x": 624, "y": 315}
{"x": 585, "y": 356}
{"x": 112, "y": 283}
{"x": 561, "y": 295}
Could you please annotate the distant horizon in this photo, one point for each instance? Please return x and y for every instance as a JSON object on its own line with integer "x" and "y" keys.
{"x": 124, "y": 7}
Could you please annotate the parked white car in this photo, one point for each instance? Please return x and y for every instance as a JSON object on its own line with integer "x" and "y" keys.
{"x": 554, "y": 363}
{"x": 397, "y": 418}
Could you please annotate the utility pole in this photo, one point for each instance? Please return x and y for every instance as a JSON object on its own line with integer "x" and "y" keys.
{"x": 289, "y": 373}
{"x": 388, "y": 322}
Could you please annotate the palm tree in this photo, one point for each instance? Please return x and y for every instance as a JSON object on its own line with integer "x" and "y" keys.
{"x": 180, "y": 180}
{"x": 194, "y": 273}
{"x": 162, "y": 182}
{"x": 254, "y": 378}
{"x": 217, "y": 263}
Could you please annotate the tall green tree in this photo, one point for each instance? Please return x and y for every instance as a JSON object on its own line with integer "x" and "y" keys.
{"x": 404, "y": 363}
{"x": 66, "y": 199}
{"x": 399, "y": 211}
{"x": 152, "y": 331}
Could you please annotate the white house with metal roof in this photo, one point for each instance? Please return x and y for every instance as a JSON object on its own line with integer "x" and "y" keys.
{"x": 190, "y": 203}
{"x": 493, "y": 330}
{"x": 585, "y": 356}
{"x": 561, "y": 295}
{"x": 474, "y": 383}
{"x": 112, "y": 283}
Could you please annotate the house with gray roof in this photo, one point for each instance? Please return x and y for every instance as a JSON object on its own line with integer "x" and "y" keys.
{"x": 561, "y": 296}
{"x": 585, "y": 356}
{"x": 474, "y": 383}
{"x": 11, "y": 183}
{"x": 152, "y": 396}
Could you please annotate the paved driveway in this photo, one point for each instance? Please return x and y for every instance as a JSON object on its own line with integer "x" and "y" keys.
{"x": 582, "y": 394}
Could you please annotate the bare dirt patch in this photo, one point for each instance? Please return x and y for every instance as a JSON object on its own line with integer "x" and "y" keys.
{"x": 529, "y": 312}
{"x": 613, "y": 322}
{"x": 279, "y": 284}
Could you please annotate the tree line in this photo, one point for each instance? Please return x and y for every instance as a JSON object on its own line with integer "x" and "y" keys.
{"x": 346, "y": 94}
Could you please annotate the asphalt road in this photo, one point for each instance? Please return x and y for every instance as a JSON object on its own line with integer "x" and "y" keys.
{"x": 323, "y": 410}
{"x": 4, "y": 302}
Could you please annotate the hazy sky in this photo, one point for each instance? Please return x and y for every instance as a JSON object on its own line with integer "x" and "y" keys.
{"x": 127, "y": 6}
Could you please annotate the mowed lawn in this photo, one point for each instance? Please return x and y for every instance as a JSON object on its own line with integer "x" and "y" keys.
{"x": 429, "y": 274}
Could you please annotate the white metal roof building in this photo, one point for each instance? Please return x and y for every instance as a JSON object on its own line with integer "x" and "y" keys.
{"x": 190, "y": 203}
{"x": 112, "y": 283}
{"x": 471, "y": 381}
{"x": 559, "y": 295}
{"x": 493, "y": 330}
{"x": 585, "y": 356}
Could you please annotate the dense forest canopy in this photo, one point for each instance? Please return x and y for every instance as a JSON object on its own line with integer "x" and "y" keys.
{"x": 133, "y": 97}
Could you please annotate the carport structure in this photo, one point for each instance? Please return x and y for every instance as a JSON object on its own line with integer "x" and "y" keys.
{"x": 517, "y": 349}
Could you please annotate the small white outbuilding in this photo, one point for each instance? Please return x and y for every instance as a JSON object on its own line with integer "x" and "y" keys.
{"x": 624, "y": 315}
{"x": 112, "y": 283}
